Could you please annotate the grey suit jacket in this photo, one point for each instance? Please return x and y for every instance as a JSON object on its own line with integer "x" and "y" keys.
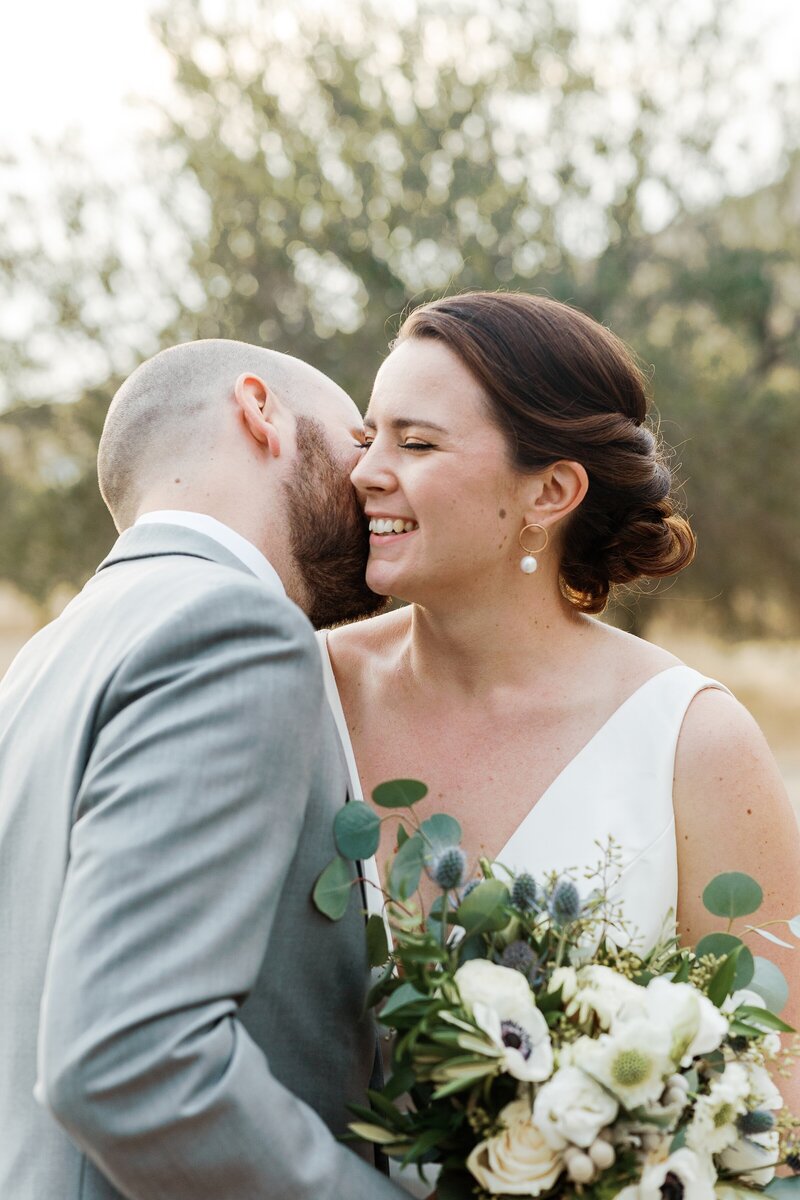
{"x": 169, "y": 775}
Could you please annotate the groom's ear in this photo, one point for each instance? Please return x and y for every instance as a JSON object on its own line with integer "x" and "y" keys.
{"x": 257, "y": 407}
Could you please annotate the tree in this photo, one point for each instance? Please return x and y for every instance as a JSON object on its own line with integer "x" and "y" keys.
{"x": 320, "y": 172}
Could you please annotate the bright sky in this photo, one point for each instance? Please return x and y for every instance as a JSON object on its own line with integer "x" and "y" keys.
{"x": 73, "y": 64}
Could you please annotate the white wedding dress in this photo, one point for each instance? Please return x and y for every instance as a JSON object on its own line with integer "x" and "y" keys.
{"x": 619, "y": 784}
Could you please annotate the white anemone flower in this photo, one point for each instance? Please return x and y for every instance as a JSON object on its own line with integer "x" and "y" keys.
{"x": 572, "y": 1108}
{"x": 696, "y": 1025}
{"x": 633, "y": 1062}
{"x": 713, "y": 1125}
{"x": 503, "y": 1006}
{"x": 693, "y": 1177}
{"x": 606, "y": 994}
{"x": 753, "y": 1158}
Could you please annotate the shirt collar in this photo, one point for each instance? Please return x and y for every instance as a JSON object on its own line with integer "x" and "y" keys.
{"x": 244, "y": 550}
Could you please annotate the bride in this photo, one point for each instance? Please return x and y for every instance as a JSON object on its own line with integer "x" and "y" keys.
{"x": 510, "y": 478}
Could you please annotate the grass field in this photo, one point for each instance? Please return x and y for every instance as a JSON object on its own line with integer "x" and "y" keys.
{"x": 764, "y": 675}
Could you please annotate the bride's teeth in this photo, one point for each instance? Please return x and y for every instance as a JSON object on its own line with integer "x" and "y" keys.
{"x": 391, "y": 525}
{"x": 409, "y": 525}
{"x": 398, "y": 526}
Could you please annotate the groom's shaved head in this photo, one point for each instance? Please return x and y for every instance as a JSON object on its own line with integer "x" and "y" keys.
{"x": 170, "y": 410}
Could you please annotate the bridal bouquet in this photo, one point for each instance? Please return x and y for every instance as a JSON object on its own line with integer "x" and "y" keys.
{"x": 537, "y": 1054}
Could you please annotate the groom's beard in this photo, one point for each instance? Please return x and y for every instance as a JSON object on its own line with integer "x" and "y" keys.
{"x": 328, "y": 534}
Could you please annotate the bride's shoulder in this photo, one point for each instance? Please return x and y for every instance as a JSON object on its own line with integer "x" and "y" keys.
{"x": 629, "y": 659}
{"x": 352, "y": 647}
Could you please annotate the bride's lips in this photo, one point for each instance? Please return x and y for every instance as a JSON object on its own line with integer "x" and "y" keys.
{"x": 377, "y": 538}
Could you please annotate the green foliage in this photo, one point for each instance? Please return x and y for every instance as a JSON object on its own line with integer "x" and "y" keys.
{"x": 356, "y": 830}
{"x": 770, "y": 983}
{"x": 485, "y": 908}
{"x": 722, "y": 944}
{"x": 332, "y": 890}
{"x": 321, "y": 170}
{"x": 377, "y": 943}
{"x": 399, "y": 793}
{"x": 406, "y": 868}
{"x": 732, "y": 894}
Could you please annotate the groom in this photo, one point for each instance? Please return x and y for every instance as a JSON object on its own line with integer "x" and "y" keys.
{"x": 190, "y": 1027}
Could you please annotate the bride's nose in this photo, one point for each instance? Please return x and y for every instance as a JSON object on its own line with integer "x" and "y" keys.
{"x": 371, "y": 472}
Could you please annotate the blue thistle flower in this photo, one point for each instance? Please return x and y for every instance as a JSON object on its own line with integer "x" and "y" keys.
{"x": 469, "y": 887}
{"x": 757, "y": 1121}
{"x": 518, "y": 956}
{"x": 447, "y": 869}
{"x": 525, "y": 893}
{"x": 793, "y": 1161}
{"x": 564, "y": 904}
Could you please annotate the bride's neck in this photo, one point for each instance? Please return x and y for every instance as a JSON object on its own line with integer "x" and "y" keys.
{"x": 475, "y": 646}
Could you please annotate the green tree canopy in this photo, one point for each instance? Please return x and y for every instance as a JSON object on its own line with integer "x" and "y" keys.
{"x": 318, "y": 172}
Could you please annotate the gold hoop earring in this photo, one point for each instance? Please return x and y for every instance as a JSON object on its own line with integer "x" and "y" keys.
{"x": 528, "y": 563}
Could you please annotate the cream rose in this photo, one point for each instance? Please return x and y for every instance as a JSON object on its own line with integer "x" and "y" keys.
{"x": 518, "y": 1161}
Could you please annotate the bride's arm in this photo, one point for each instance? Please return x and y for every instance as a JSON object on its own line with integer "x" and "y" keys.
{"x": 732, "y": 813}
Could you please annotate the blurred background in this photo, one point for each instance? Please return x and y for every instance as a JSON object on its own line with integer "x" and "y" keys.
{"x": 300, "y": 174}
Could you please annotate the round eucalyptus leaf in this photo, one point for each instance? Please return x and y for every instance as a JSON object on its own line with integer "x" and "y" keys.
{"x": 769, "y": 982}
{"x": 485, "y": 908}
{"x": 732, "y": 895}
{"x": 399, "y": 793}
{"x": 441, "y": 831}
{"x": 356, "y": 830}
{"x": 332, "y": 889}
{"x": 720, "y": 945}
{"x": 377, "y": 941}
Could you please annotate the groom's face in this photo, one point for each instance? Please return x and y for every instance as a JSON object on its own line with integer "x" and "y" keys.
{"x": 327, "y": 529}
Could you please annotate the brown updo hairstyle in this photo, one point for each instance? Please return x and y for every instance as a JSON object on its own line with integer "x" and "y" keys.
{"x": 561, "y": 386}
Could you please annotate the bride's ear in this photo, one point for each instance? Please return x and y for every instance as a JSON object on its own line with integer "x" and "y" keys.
{"x": 257, "y": 406}
{"x": 556, "y": 492}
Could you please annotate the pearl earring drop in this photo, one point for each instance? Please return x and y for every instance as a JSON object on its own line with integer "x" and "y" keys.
{"x": 528, "y": 563}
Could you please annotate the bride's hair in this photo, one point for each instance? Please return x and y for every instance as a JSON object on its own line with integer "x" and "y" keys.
{"x": 561, "y": 386}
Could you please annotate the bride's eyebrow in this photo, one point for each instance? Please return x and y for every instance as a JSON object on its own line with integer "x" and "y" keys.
{"x": 401, "y": 423}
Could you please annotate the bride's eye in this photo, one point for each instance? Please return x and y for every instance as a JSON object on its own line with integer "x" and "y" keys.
{"x": 365, "y": 445}
{"x": 416, "y": 446}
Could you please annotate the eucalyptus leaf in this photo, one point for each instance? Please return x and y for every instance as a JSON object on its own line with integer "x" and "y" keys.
{"x": 356, "y": 830}
{"x": 377, "y": 942}
{"x": 769, "y": 982}
{"x": 485, "y": 908}
{"x": 441, "y": 832}
{"x": 399, "y": 793}
{"x": 332, "y": 890}
{"x": 784, "y": 1188}
{"x": 402, "y": 835}
{"x": 406, "y": 868}
{"x": 720, "y": 945}
{"x": 732, "y": 894}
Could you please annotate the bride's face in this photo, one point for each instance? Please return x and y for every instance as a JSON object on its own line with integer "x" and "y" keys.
{"x": 436, "y": 462}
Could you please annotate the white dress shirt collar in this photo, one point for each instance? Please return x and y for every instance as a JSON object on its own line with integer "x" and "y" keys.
{"x": 244, "y": 550}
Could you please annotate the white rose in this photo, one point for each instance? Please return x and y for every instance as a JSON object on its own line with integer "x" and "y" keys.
{"x": 572, "y": 1108}
{"x": 518, "y": 1161}
{"x": 695, "y": 1172}
{"x": 754, "y": 1157}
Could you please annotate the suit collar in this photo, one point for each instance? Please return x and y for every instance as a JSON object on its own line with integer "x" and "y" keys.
{"x": 155, "y": 541}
